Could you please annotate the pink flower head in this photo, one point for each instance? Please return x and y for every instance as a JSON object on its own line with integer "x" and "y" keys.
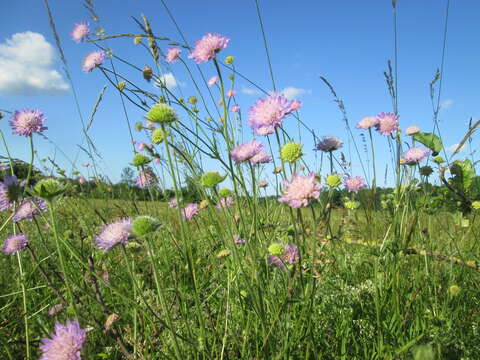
{"x": 93, "y": 60}
{"x": 267, "y": 114}
{"x": 237, "y": 240}
{"x": 65, "y": 344}
{"x": 117, "y": 232}
{"x": 156, "y": 160}
{"x": 9, "y": 190}
{"x": 289, "y": 257}
{"x": 296, "y": 104}
{"x": 145, "y": 178}
{"x": 82, "y": 180}
{"x": 224, "y": 203}
{"x": 173, "y": 203}
{"x": 367, "y": 122}
{"x": 141, "y": 146}
{"x": 300, "y": 190}
{"x": 235, "y": 108}
{"x": 27, "y": 121}
{"x": 246, "y": 151}
{"x": 231, "y": 93}
{"x": 86, "y": 164}
{"x": 414, "y": 155}
{"x": 80, "y": 32}
{"x": 15, "y": 243}
{"x": 190, "y": 211}
{"x": 387, "y": 123}
{"x": 412, "y": 130}
{"x": 262, "y": 184}
{"x": 207, "y": 47}
{"x": 329, "y": 143}
{"x": 261, "y": 158}
{"x": 28, "y": 209}
{"x": 173, "y": 54}
{"x": 355, "y": 183}
{"x": 213, "y": 80}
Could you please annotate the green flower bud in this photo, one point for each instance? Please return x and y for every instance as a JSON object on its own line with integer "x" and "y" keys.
{"x": 121, "y": 85}
{"x": 161, "y": 114}
{"x": 192, "y": 100}
{"x": 426, "y": 170}
{"x": 138, "y": 126}
{"x": 231, "y": 77}
{"x": 137, "y": 40}
{"x": 147, "y": 73}
{"x": 333, "y": 180}
{"x": 144, "y": 225}
{"x": 225, "y": 192}
{"x": 140, "y": 159}
{"x": 291, "y": 152}
{"x": 276, "y": 249}
{"x": 159, "y": 135}
{"x": 351, "y": 205}
{"x": 438, "y": 160}
{"x": 454, "y": 290}
{"x": 229, "y": 60}
{"x": 211, "y": 179}
{"x": 476, "y": 205}
{"x": 48, "y": 189}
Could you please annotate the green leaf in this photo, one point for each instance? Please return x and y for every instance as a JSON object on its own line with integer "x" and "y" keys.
{"x": 430, "y": 140}
{"x": 463, "y": 174}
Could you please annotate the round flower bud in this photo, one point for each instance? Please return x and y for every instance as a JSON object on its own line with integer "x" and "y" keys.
{"x": 192, "y": 100}
{"x": 229, "y": 60}
{"x": 333, "y": 180}
{"x": 276, "y": 250}
{"x": 225, "y": 192}
{"x": 438, "y": 160}
{"x": 291, "y": 152}
{"x": 144, "y": 225}
{"x": 140, "y": 159}
{"x": 137, "y": 40}
{"x": 48, "y": 188}
{"x": 147, "y": 73}
{"x": 138, "y": 126}
{"x": 476, "y": 205}
{"x": 161, "y": 114}
{"x": 351, "y": 205}
{"x": 121, "y": 85}
{"x": 454, "y": 290}
{"x": 426, "y": 170}
{"x": 159, "y": 135}
{"x": 211, "y": 179}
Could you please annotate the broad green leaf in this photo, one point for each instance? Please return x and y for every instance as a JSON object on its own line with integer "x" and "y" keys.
{"x": 430, "y": 140}
{"x": 463, "y": 174}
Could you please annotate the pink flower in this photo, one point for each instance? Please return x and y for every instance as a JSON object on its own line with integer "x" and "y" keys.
{"x": 296, "y": 105}
{"x": 173, "y": 203}
{"x": 411, "y": 130}
{"x": 93, "y": 60}
{"x": 27, "y": 121}
{"x": 231, "y": 93}
{"x": 66, "y": 343}
{"x": 261, "y": 158}
{"x": 367, "y": 122}
{"x": 387, "y": 123}
{"x": 353, "y": 184}
{"x": 213, "y": 80}
{"x": 141, "y": 146}
{"x": 207, "y": 47}
{"x": 235, "y": 108}
{"x": 15, "y": 243}
{"x": 289, "y": 257}
{"x": 173, "y": 54}
{"x": 414, "y": 155}
{"x": 300, "y": 190}
{"x": 145, "y": 178}
{"x": 86, "y": 164}
{"x": 262, "y": 184}
{"x": 80, "y": 32}
{"x": 267, "y": 114}
{"x": 246, "y": 151}
{"x": 190, "y": 211}
{"x": 329, "y": 143}
{"x": 117, "y": 232}
{"x": 224, "y": 202}
{"x": 82, "y": 180}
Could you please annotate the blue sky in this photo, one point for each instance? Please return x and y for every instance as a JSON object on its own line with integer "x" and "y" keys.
{"x": 348, "y": 42}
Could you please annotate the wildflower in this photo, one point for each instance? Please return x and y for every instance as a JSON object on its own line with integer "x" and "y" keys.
{"x": 9, "y": 191}
{"x": 367, "y": 122}
{"x": 224, "y": 202}
{"x": 231, "y": 93}
{"x": 121, "y": 85}
{"x": 144, "y": 225}
{"x": 414, "y": 155}
{"x": 173, "y": 203}
{"x": 426, "y": 170}
{"x": 387, "y": 123}
{"x": 207, "y": 47}
{"x": 229, "y": 60}
{"x": 147, "y": 73}
{"x": 454, "y": 290}
{"x": 267, "y": 114}
{"x": 295, "y": 105}
{"x": 28, "y": 209}
{"x": 117, "y": 232}
{"x": 190, "y": 211}
{"x": 235, "y": 108}
{"x": 246, "y": 151}
{"x": 86, "y": 164}
{"x": 438, "y": 160}
{"x": 291, "y": 152}
{"x": 329, "y": 143}
{"x": 140, "y": 159}
{"x": 351, "y": 205}
{"x": 476, "y": 205}
{"x": 237, "y": 240}
{"x": 262, "y": 184}
{"x": 355, "y": 183}
{"x": 333, "y": 180}
{"x": 82, "y": 180}
{"x": 15, "y": 243}
{"x": 145, "y": 178}
{"x": 27, "y": 121}
{"x": 92, "y": 60}
{"x": 141, "y": 146}
{"x": 261, "y": 158}
{"x": 213, "y": 80}
{"x": 225, "y": 192}
{"x": 300, "y": 190}
{"x": 159, "y": 135}
{"x": 173, "y": 54}
{"x": 211, "y": 179}
{"x": 289, "y": 256}
{"x": 161, "y": 114}
{"x": 66, "y": 343}
{"x": 80, "y": 32}
{"x": 192, "y": 100}
{"x": 276, "y": 249}
{"x": 412, "y": 130}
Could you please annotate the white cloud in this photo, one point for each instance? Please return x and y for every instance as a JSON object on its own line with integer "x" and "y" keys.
{"x": 26, "y": 66}
{"x": 454, "y": 147}
{"x": 170, "y": 81}
{"x": 291, "y": 92}
{"x": 250, "y": 91}
{"x": 445, "y": 104}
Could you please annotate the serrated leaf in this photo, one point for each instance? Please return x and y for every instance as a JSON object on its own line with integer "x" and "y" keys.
{"x": 430, "y": 140}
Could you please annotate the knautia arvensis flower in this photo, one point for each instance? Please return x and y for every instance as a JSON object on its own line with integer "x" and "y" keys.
{"x": 65, "y": 344}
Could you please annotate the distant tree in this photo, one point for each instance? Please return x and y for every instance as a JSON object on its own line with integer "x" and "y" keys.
{"x": 127, "y": 176}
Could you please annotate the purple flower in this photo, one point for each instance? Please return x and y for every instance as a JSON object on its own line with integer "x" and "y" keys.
{"x": 207, "y": 47}
{"x": 213, "y": 80}
{"x": 414, "y": 155}
{"x": 246, "y": 151}
{"x": 65, "y": 344}
{"x": 190, "y": 211}
{"x": 9, "y": 189}
{"x": 114, "y": 233}
{"x": 224, "y": 202}
{"x": 367, "y": 122}
{"x": 267, "y": 114}
{"x": 355, "y": 183}
{"x": 289, "y": 257}
{"x": 145, "y": 178}
{"x": 173, "y": 54}
{"x": 237, "y": 240}
{"x": 173, "y": 203}
{"x": 261, "y": 158}
{"x": 412, "y": 130}
{"x": 80, "y": 32}
{"x": 235, "y": 108}
{"x": 300, "y": 190}
{"x": 92, "y": 60}
{"x": 29, "y": 208}
{"x": 329, "y": 143}
{"x": 387, "y": 123}
{"x": 27, "y": 121}
{"x": 231, "y": 93}
{"x": 295, "y": 105}
{"x": 15, "y": 243}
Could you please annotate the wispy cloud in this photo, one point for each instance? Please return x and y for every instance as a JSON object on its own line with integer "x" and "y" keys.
{"x": 169, "y": 81}
{"x": 454, "y": 148}
{"x": 446, "y": 104}
{"x": 26, "y": 66}
{"x": 250, "y": 91}
{"x": 291, "y": 92}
